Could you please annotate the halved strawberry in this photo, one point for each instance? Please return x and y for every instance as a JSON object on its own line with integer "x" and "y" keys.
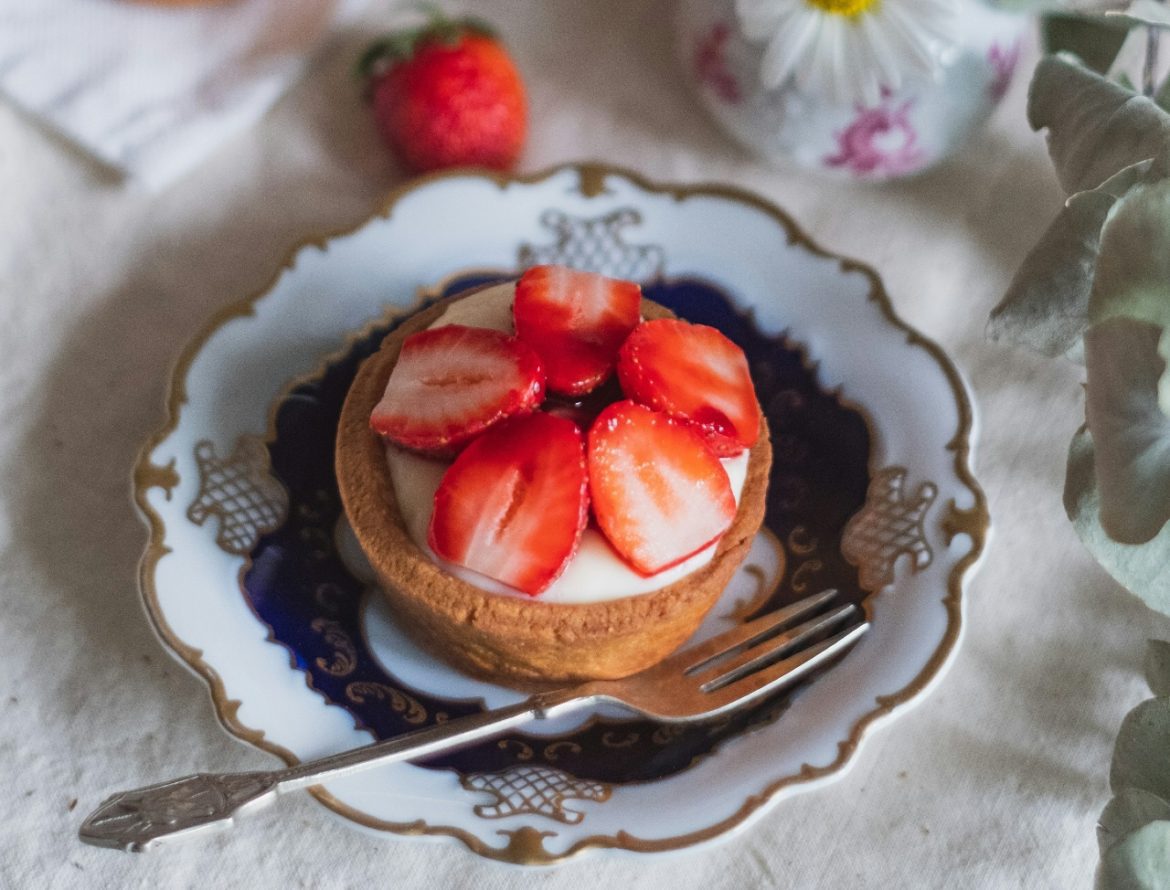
{"x": 451, "y": 383}
{"x": 659, "y": 493}
{"x": 694, "y": 373}
{"x": 514, "y": 503}
{"x": 576, "y": 321}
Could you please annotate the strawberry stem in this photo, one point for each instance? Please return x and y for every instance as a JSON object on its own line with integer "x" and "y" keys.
{"x": 400, "y": 46}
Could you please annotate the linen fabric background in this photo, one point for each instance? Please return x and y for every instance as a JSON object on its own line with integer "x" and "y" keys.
{"x": 152, "y": 90}
{"x": 995, "y": 780}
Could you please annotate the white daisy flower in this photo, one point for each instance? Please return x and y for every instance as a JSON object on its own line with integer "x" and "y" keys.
{"x": 849, "y": 50}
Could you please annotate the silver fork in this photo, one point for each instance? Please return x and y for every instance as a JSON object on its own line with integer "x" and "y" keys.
{"x": 713, "y": 677}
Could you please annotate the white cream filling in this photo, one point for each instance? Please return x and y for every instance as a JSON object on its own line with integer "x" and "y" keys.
{"x": 595, "y": 573}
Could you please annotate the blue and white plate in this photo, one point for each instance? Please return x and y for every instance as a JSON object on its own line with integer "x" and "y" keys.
{"x": 251, "y": 576}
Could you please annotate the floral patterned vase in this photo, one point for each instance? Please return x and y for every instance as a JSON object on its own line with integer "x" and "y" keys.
{"x": 904, "y": 133}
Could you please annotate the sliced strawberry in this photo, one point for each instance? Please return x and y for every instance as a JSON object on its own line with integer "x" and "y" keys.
{"x": 452, "y": 383}
{"x": 659, "y": 493}
{"x": 576, "y": 321}
{"x": 514, "y": 503}
{"x": 694, "y": 373}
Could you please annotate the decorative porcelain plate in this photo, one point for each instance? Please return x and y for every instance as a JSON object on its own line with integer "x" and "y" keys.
{"x": 251, "y": 576}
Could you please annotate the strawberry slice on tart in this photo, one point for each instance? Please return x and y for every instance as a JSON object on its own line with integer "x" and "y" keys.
{"x": 453, "y": 382}
{"x": 576, "y": 321}
{"x": 696, "y": 374}
{"x": 514, "y": 503}
{"x": 659, "y": 493}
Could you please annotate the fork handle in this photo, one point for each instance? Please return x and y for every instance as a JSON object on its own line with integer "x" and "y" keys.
{"x": 431, "y": 740}
{"x": 136, "y": 820}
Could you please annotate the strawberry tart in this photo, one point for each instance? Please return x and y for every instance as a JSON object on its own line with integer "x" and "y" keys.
{"x": 554, "y": 479}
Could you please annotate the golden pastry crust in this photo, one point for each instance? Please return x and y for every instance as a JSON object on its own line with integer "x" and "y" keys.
{"x": 513, "y": 638}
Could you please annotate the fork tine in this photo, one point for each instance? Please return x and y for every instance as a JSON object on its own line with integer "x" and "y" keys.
{"x": 724, "y": 671}
{"x": 700, "y": 656}
{"x": 785, "y": 672}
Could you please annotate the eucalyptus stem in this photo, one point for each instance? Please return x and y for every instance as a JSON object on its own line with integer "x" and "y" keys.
{"x": 1150, "y": 68}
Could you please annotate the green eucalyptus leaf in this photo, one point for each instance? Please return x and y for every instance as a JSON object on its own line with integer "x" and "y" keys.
{"x": 1164, "y": 380}
{"x": 1139, "y": 862}
{"x": 1095, "y": 127}
{"x": 1131, "y": 434}
{"x": 1142, "y": 569}
{"x": 1119, "y": 184}
{"x": 1132, "y": 278}
{"x": 1093, "y": 39}
{"x": 1129, "y": 810}
{"x": 1162, "y": 96}
{"x": 1148, "y": 13}
{"x": 1046, "y": 306}
{"x": 1141, "y": 755}
{"x": 1133, "y": 264}
{"x": 1157, "y": 667}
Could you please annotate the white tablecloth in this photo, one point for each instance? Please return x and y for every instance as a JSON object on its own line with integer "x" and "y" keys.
{"x": 995, "y": 780}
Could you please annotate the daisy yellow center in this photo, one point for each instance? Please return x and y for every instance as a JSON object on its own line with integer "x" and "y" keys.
{"x": 847, "y": 8}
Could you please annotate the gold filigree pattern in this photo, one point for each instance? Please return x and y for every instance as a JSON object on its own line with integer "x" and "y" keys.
{"x": 789, "y": 450}
{"x": 240, "y": 492}
{"x": 164, "y": 477}
{"x": 553, "y": 752}
{"x": 889, "y": 526}
{"x": 612, "y": 739}
{"x": 667, "y": 733}
{"x": 800, "y": 578}
{"x": 802, "y": 544}
{"x": 344, "y": 658}
{"x": 596, "y": 245}
{"x": 317, "y": 542}
{"x": 789, "y": 491}
{"x": 523, "y": 749}
{"x": 404, "y": 704}
{"x": 964, "y": 522}
{"x": 329, "y": 597}
{"x": 718, "y": 725}
{"x": 535, "y": 790}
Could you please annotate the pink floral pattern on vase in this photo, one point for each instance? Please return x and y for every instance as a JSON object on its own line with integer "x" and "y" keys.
{"x": 879, "y": 142}
{"x": 711, "y": 64}
{"x": 1003, "y": 64}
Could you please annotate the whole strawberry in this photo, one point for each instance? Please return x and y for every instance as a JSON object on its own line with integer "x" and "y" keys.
{"x": 447, "y": 95}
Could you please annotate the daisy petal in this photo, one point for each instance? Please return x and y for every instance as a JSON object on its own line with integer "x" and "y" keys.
{"x": 788, "y": 50}
{"x": 884, "y": 57}
{"x": 917, "y": 53}
{"x": 846, "y": 55}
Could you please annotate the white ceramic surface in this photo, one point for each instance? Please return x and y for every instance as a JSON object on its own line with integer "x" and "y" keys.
{"x": 920, "y": 419}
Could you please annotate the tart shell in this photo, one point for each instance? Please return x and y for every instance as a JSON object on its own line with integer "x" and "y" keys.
{"x": 519, "y": 640}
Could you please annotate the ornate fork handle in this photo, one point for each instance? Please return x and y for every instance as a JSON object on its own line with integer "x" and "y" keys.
{"x": 722, "y": 673}
{"x": 137, "y": 820}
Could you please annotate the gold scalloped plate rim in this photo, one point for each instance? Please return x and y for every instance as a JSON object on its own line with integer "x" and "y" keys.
{"x": 525, "y": 845}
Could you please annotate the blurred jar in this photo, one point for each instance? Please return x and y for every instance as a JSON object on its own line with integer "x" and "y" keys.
{"x": 902, "y": 133}
{"x": 183, "y": 2}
